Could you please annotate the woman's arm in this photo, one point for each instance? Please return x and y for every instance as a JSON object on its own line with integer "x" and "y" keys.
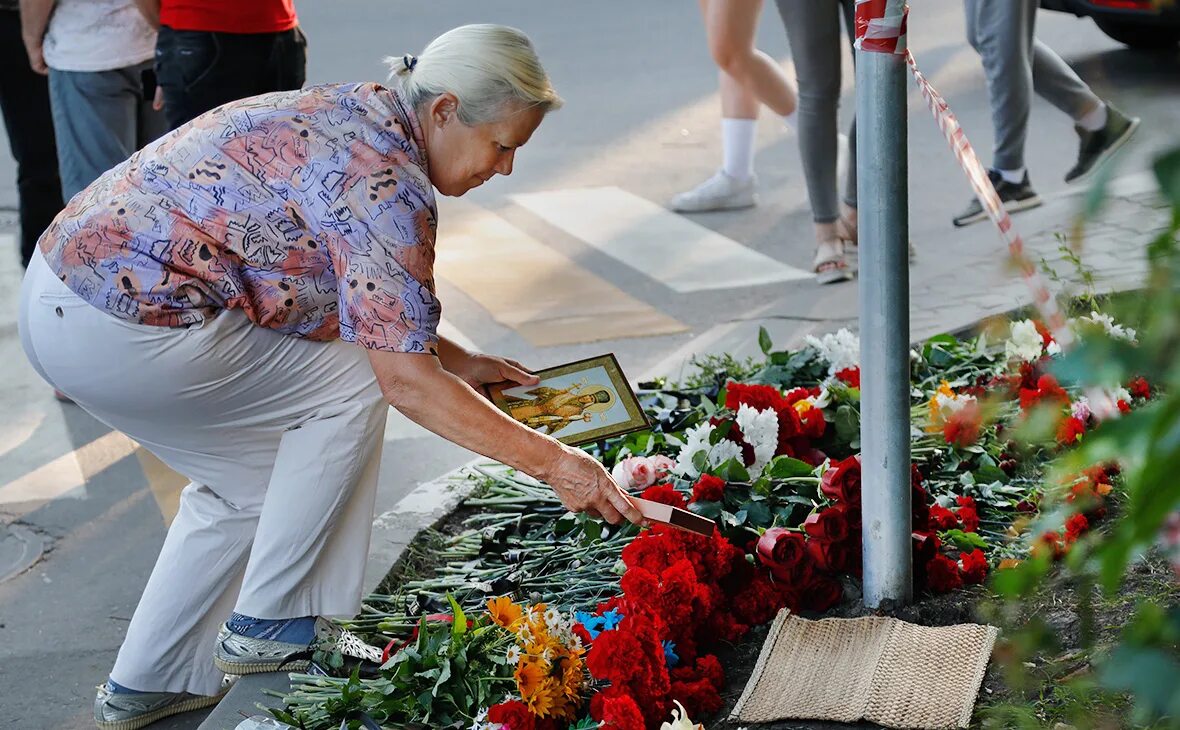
{"x": 34, "y": 21}
{"x": 150, "y": 10}
{"x": 421, "y": 388}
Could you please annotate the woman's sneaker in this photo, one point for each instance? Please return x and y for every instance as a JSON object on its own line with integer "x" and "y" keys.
{"x": 720, "y": 192}
{"x": 134, "y": 710}
{"x": 1014, "y": 196}
{"x": 239, "y": 654}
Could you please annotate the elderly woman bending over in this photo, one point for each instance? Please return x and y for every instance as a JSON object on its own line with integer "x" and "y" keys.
{"x": 244, "y": 298}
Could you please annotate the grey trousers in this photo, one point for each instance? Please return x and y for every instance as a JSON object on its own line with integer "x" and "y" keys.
{"x": 1016, "y": 64}
{"x": 813, "y": 32}
{"x": 99, "y": 118}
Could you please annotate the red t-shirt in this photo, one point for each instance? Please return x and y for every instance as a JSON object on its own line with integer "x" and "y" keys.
{"x": 229, "y": 16}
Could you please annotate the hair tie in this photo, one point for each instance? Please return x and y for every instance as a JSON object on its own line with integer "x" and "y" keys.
{"x": 409, "y": 61}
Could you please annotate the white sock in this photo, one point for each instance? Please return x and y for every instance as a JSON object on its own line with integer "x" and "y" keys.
{"x": 737, "y": 147}
{"x": 1094, "y": 119}
{"x": 1013, "y": 176}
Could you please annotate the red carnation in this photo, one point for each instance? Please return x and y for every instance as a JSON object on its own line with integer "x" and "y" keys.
{"x": 785, "y": 553}
{"x": 665, "y": 494}
{"x": 1049, "y": 543}
{"x": 841, "y": 482}
{"x": 1047, "y": 391}
{"x": 963, "y": 426}
{"x": 1070, "y": 430}
{"x": 942, "y": 574}
{"x": 699, "y": 697}
{"x": 851, "y": 376}
{"x": 513, "y": 715}
{"x": 615, "y": 710}
{"x": 1139, "y": 388}
{"x": 1123, "y": 406}
{"x": 830, "y": 524}
{"x": 942, "y": 518}
{"x": 973, "y": 566}
{"x": 753, "y": 395}
{"x": 708, "y": 489}
{"x": 1075, "y": 527}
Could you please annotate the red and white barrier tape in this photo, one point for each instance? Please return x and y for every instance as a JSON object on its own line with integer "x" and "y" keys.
{"x": 1044, "y": 300}
{"x": 881, "y": 25}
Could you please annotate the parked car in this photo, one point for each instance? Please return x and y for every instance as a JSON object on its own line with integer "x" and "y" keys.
{"x": 1135, "y": 23}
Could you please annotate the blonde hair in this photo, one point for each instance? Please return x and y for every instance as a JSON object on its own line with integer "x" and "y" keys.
{"x": 487, "y": 67}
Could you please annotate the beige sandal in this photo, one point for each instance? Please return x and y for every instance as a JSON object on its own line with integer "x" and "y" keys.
{"x": 830, "y": 263}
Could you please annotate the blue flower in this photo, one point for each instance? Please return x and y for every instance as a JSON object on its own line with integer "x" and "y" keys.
{"x": 595, "y": 625}
{"x": 670, "y": 656}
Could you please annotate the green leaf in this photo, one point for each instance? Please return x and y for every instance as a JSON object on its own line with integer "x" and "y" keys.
{"x": 964, "y": 540}
{"x": 764, "y": 341}
{"x": 847, "y": 423}
{"x": 732, "y": 470}
{"x": 757, "y": 513}
{"x": 712, "y": 510}
{"x": 459, "y": 624}
{"x": 785, "y": 467}
{"x": 1167, "y": 172}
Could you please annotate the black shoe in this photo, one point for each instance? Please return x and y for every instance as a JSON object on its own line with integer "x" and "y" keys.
{"x": 1014, "y": 196}
{"x": 1095, "y": 147}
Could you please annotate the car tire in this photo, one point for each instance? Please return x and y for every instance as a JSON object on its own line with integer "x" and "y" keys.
{"x": 1139, "y": 35}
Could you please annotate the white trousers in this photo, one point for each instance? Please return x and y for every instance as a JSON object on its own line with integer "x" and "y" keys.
{"x": 281, "y": 439}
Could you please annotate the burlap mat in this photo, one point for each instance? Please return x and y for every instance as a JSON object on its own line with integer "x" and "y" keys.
{"x": 879, "y": 669}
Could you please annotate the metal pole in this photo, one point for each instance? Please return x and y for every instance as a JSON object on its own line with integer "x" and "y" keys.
{"x": 882, "y": 175}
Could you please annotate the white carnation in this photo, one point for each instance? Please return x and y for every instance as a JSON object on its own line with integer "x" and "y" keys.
{"x": 841, "y": 350}
{"x": 1024, "y": 342}
{"x": 1107, "y": 323}
{"x": 760, "y": 429}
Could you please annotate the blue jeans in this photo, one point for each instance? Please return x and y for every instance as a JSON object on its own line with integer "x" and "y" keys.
{"x": 100, "y": 118}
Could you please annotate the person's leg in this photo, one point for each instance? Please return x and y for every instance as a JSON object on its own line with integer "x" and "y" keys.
{"x": 1057, "y": 83}
{"x": 730, "y": 26}
{"x": 848, "y": 207}
{"x": 94, "y": 121}
{"x": 733, "y": 186}
{"x": 272, "y": 398}
{"x": 286, "y": 64}
{"x": 24, "y": 102}
{"x": 1002, "y": 34}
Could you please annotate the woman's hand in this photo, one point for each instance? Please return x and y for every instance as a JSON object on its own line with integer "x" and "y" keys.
{"x": 583, "y": 485}
{"x": 478, "y": 370}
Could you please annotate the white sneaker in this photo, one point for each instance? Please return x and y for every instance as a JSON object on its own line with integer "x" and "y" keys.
{"x": 720, "y": 192}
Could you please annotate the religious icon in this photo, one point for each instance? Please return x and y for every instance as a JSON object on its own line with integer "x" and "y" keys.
{"x": 579, "y": 402}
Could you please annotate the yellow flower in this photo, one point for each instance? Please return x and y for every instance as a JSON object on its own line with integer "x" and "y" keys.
{"x": 535, "y": 686}
{"x": 503, "y": 611}
{"x": 803, "y": 406}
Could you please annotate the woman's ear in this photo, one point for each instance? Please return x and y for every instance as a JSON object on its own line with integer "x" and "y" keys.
{"x": 443, "y": 109}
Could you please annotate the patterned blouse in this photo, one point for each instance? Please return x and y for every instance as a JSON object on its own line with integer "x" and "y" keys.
{"x": 309, "y": 210}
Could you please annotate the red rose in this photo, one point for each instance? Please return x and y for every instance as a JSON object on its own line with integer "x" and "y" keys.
{"x": 1139, "y": 388}
{"x": 830, "y": 524}
{"x": 851, "y": 376}
{"x": 942, "y": 574}
{"x": 821, "y": 593}
{"x": 1047, "y": 391}
{"x": 513, "y": 714}
{"x": 1075, "y": 527}
{"x": 964, "y": 425}
{"x": 841, "y": 556}
{"x": 970, "y": 519}
{"x": 973, "y": 566}
{"x": 1049, "y": 543}
{"x": 665, "y": 494}
{"x": 785, "y": 553}
{"x": 942, "y": 518}
{"x": 841, "y": 482}
{"x": 1070, "y": 430}
{"x": 1123, "y": 406}
{"x": 708, "y": 489}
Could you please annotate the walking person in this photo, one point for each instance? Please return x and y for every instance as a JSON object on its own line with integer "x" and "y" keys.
{"x": 748, "y": 79}
{"x": 98, "y": 55}
{"x": 24, "y": 102}
{"x": 813, "y": 32}
{"x": 247, "y": 306}
{"x": 214, "y": 52}
{"x": 1016, "y": 64}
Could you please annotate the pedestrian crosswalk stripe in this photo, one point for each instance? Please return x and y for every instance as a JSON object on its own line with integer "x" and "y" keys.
{"x": 63, "y": 474}
{"x": 675, "y": 251}
{"x": 528, "y": 286}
